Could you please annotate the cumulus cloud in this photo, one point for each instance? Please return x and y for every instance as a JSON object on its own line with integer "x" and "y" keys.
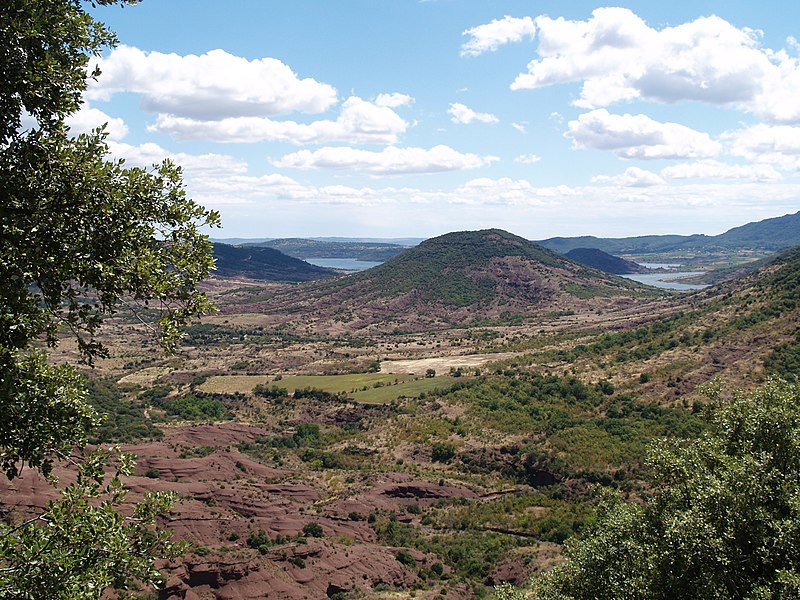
{"x": 88, "y": 118}
{"x": 528, "y": 159}
{"x": 148, "y": 154}
{"x": 359, "y": 122}
{"x": 632, "y": 177}
{"x": 712, "y": 169}
{"x": 209, "y": 86}
{"x": 394, "y": 100}
{"x": 639, "y": 136}
{"x": 776, "y": 145}
{"x": 460, "y": 113}
{"x": 618, "y": 57}
{"x": 520, "y": 127}
{"x": 389, "y": 161}
{"x": 489, "y": 37}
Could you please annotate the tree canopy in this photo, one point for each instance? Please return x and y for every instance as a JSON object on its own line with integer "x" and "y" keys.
{"x": 724, "y": 521}
{"x": 81, "y": 237}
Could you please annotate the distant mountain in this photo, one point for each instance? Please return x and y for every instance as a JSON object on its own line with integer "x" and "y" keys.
{"x": 604, "y": 261}
{"x": 770, "y": 235}
{"x": 308, "y": 248}
{"x": 265, "y": 264}
{"x": 459, "y": 279}
{"x": 633, "y": 245}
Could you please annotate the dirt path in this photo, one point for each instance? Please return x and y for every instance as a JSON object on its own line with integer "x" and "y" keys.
{"x": 442, "y": 364}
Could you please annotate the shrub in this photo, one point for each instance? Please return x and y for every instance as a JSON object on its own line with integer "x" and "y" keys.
{"x": 313, "y": 530}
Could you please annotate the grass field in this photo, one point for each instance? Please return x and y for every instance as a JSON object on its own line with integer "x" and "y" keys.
{"x": 380, "y": 387}
{"x": 410, "y": 389}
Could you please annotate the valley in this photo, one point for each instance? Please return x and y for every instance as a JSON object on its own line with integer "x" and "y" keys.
{"x": 427, "y": 428}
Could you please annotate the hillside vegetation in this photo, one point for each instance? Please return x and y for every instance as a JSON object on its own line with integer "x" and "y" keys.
{"x": 592, "y": 257}
{"x": 265, "y": 264}
{"x": 306, "y": 459}
{"x": 459, "y": 279}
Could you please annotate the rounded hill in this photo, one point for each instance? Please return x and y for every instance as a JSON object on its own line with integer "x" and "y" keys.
{"x": 462, "y": 278}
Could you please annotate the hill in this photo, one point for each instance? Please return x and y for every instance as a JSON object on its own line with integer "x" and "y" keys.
{"x": 769, "y": 235}
{"x": 307, "y": 248}
{"x": 265, "y": 264}
{"x": 592, "y": 257}
{"x": 458, "y": 279}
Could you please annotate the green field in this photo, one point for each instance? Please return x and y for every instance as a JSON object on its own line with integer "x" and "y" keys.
{"x": 364, "y": 387}
{"x": 410, "y": 389}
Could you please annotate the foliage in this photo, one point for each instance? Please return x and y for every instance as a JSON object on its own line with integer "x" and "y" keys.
{"x": 313, "y": 530}
{"x": 784, "y": 361}
{"x": 81, "y": 237}
{"x": 577, "y": 429}
{"x": 194, "y": 408}
{"x": 122, "y": 419}
{"x": 58, "y": 554}
{"x": 723, "y": 523}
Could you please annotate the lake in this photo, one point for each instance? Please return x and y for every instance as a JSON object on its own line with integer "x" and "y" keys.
{"x": 343, "y": 264}
{"x": 657, "y": 280}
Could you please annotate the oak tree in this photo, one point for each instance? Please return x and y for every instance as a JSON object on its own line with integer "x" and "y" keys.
{"x": 82, "y": 236}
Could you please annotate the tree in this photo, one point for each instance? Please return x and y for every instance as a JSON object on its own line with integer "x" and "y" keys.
{"x": 81, "y": 237}
{"x": 724, "y": 521}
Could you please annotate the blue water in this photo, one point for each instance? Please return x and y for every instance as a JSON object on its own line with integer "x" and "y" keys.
{"x": 657, "y": 280}
{"x": 343, "y": 264}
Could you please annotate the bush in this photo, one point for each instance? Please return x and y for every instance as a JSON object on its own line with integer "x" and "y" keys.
{"x": 723, "y": 522}
{"x": 313, "y": 530}
{"x": 443, "y": 452}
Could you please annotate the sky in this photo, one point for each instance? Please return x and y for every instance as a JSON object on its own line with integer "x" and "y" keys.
{"x": 413, "y": 118}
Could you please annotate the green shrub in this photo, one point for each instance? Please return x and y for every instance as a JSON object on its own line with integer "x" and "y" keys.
{"x": 313, "y": 530}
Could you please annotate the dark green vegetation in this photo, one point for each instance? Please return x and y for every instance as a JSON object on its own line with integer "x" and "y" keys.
{"x": 122, "y": 418}
{"x": 592, "y": 257}
{"x": 570, "y": 430}
{"x": 722, "y": 521}
{"x": 770, "y": 235}
{"x": 301, "y": 248}
{"x": 80, "y": 237}
{"x": 265, "y": 264}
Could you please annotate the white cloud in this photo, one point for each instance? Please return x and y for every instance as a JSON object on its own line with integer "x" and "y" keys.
{"x": 489, "y": 37}
{"x": 712, "y": 169}
{"x": 618, "y": 57}
{"x": 394, "y": 100}
{"x": 519, "y": 127}
{"x": 639, "y": 136}
{"x": 459, "y": 113}
{"x": 528, "y": 159}
{"x": 776, "y": 145}
{"x": 210, "y": 86}
{"x": 389, "y": 161}
{"x": 195, "y": 165}
{"x": 88, "y": 118}
{"x": 360, "y": 122}
{"x": 632, "y": 177}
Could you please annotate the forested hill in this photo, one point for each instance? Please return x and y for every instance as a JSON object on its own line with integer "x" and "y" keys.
{"x": 304, "y": 248}
{"x": 604, "y": 261}
{"x": 265, "y": 264}
{"x": 457, "y": 279}
{"x": 771, "y": 235}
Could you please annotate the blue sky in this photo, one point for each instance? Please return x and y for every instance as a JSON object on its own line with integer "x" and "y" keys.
{"x": 401, "y": 118}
